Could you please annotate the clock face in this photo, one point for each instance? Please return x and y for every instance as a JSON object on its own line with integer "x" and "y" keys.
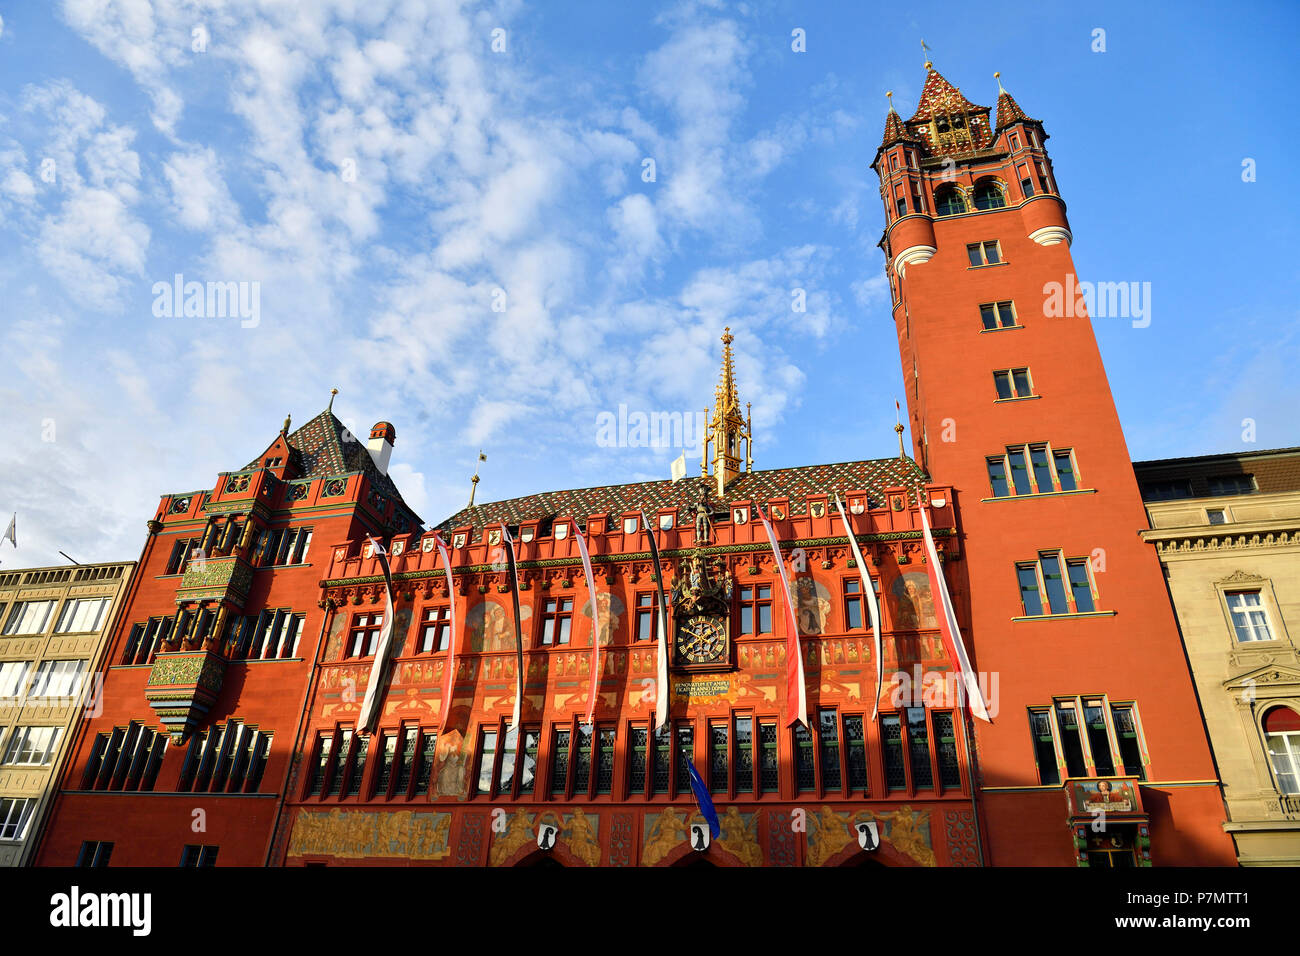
{"x": 702, "y": 640}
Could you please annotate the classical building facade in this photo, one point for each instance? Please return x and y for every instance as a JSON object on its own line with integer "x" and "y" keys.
{"x": 1227, "y": 529}
{"x": 1008, "y": 402}
{"x": 209, "y": 661}
{"x": 53, "y": 630}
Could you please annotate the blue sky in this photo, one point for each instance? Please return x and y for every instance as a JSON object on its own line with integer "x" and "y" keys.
{"x": 521, "y": 170}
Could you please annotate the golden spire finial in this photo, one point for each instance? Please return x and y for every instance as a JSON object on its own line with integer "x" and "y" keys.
{"x": 473, "y": 489}
{"x": 330, "y": 407}
{"x": 285, "y": 429}
{"x": 925, "y": 52}
{"x": 889, "y": 95}
{"x": 998, "y": 76}
{"x": 727, "y": 429}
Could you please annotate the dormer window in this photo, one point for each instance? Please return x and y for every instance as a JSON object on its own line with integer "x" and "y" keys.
{"x": 273, "y": 462}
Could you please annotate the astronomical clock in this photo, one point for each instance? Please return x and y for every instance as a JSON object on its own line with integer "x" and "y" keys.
{"x": 702, "y": 638}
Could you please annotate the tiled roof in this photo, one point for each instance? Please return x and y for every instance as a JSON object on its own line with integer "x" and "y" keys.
{"x": 940, "y": 96}
{"x": 1009, "y": 110}
{"x": 324, "y": 447}
{"x": 794, "y": 483}
{"x": 895, "y": 132}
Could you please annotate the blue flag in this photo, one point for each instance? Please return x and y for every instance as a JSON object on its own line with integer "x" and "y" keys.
{"x": 704, "y": 801}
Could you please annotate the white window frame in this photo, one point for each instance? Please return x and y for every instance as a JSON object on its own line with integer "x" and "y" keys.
{"x": 20, "y": 618}
{"x": 78, "y": 612}
{"x": 15, "y": 816}
{"x": 1290, "y": 740}
{"x": 1262, "y": 608}
{"x": 23, "y": 737}
{"x": 13, "y": 678}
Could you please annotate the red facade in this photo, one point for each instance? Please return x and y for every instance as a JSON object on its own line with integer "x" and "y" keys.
{"x": 1009, "y": 402}
{"x": 221, "y": 629}
{"x": 1095, "y": 753}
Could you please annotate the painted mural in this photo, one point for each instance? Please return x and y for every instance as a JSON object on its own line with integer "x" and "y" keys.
{"x": 490, "y": 626}
{"x": 356, "y": 834}
{"x": 907, "y": 831}
{"x": 452, "y": 763}
{"x": 812, "y": 604}
{"x": 612, "y": 611}
{"x": 578, "y": 833}
{"x": 913, "y": 601}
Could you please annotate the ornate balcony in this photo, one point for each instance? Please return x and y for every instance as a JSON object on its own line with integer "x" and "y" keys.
{"x": 216, "y": 579}
{"x": 183, "y": 686}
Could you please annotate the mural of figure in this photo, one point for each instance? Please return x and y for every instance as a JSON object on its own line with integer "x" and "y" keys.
{"x": 490, "y": 626}
{"x": 913, "y": 601}
{"x": 664, "y": 834}
{"x": 452, "y": 767}
{"x": 812, "y": 603}
{"x": 611, "y": 615}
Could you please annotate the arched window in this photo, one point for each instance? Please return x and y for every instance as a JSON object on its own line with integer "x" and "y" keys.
{"x": 1282, "y": 736}
{"x": 948, "y": 201}
{"x": 988, "y": 195}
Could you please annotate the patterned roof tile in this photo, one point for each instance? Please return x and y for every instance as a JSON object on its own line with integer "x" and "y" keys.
{"x": 872, "y": 476}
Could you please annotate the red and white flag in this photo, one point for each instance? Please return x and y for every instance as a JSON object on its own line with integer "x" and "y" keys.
{"x": 948, "y": 620}
{"x": 869, "y": 590}
{"x": 369, "y": 715}
{"x": 449, "y": 665}
{"x": 519, "y": 633}
{"x": 661, "y": 668}
{"x": 796, "y": 689}
{"x": 581, "y": 538}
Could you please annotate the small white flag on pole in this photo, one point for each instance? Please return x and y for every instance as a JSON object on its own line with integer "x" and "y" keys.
{"x": 679, "y": 467}
{"x": 12, "y": 532}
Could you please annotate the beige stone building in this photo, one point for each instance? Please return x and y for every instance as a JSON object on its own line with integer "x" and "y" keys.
{"x": 53, "y": 628}
{"x": 1227, "y": 529}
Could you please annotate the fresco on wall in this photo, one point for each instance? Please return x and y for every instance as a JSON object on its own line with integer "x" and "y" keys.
{"x": 351, "y": 834}
{"x": 812, "y": 603}
{"x": 490, "y": 626}
{"x": 611, "y": 614}
{"x": 913, "y": 601}
{"x": 451, "y": 766}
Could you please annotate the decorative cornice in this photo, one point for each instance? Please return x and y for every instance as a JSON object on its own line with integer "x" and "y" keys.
{"x": 1176, "y": 541}
{"x": 631, "y": 556}
{"x": 1241, "y": 577}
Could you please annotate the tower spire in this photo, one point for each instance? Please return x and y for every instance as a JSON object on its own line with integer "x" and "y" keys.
{"x": 726, "y": 429}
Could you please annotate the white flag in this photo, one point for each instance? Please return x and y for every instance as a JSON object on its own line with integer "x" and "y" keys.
{"x": 679, "y": 468}
{"x": 796, "y": 687}
{"x": 870, "y": 596}
{"x": 948, "y": 620}
{"x": 370, "y": 704}
{"x": 580, "y": 538}
{"x": 12, "y": 532}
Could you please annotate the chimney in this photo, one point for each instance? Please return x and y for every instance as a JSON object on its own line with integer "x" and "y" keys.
{"x": 380, "y": 445}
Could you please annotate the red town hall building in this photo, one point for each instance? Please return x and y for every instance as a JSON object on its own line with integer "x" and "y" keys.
{"x": 237, "y": 670}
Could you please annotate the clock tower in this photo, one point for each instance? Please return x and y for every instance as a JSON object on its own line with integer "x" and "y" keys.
{"x": 1009, "y": 403}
